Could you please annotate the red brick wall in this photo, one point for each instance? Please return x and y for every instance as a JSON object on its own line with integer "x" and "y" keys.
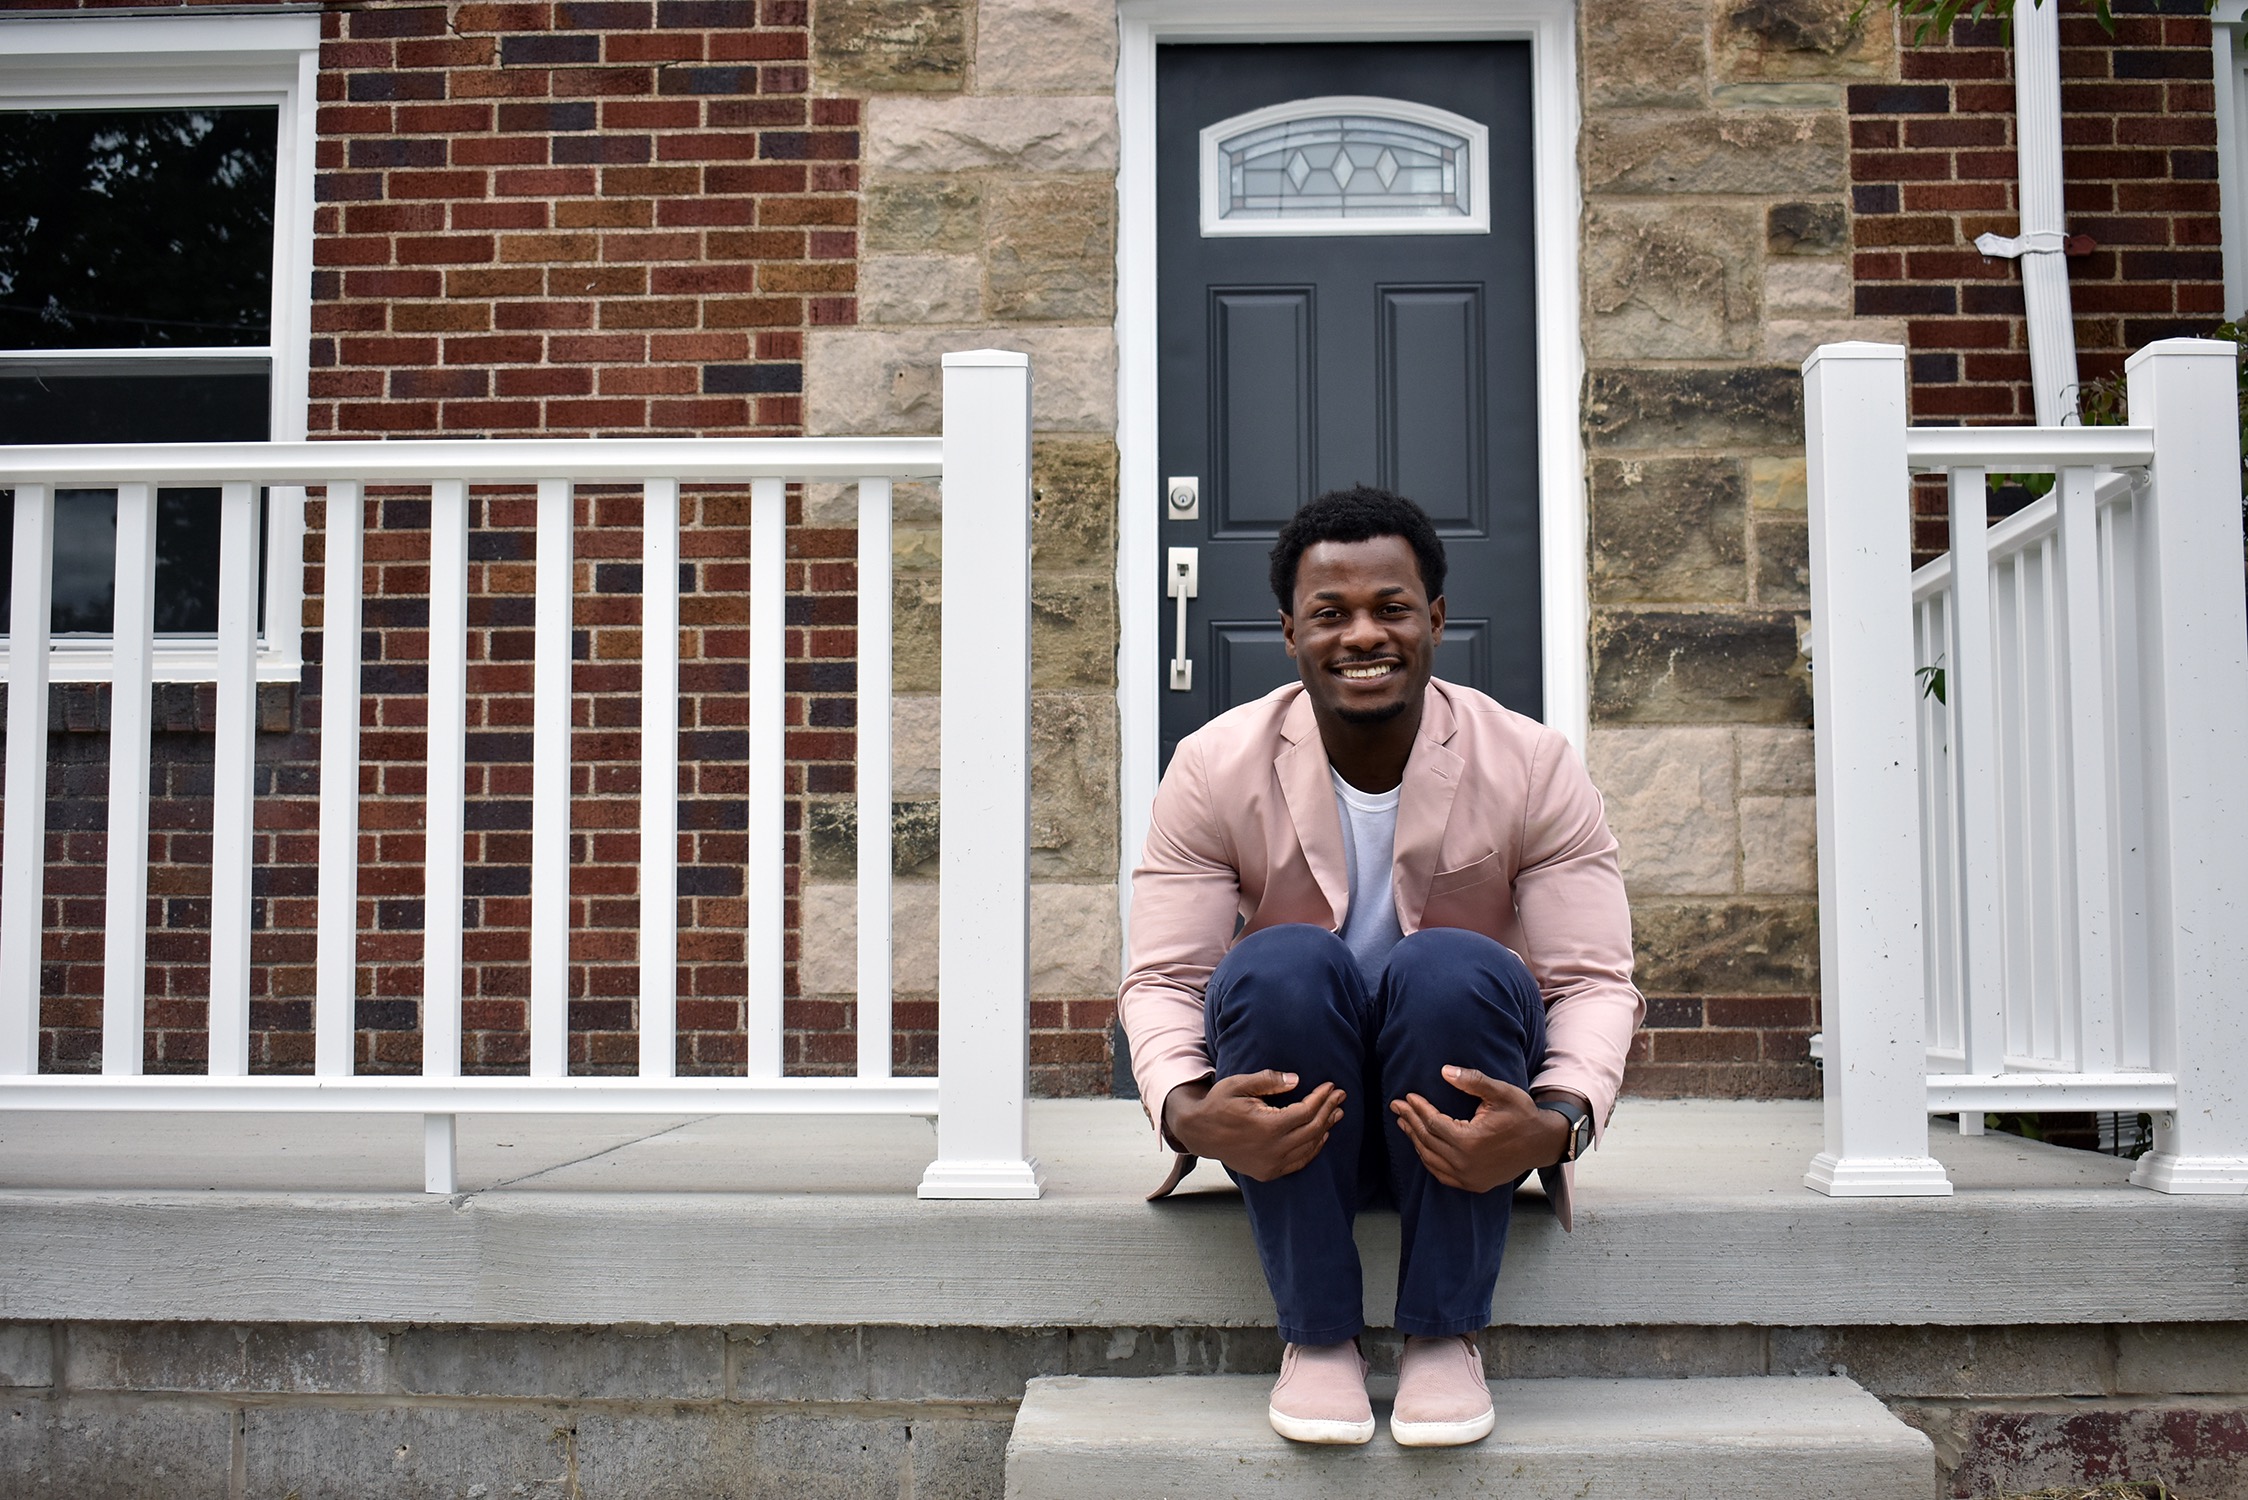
{"x": 1933, "y": 165}
{"x": 533, "y": 219}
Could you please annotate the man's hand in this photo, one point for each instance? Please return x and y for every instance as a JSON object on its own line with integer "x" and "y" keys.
{"x": 1507, "y": 1135}
{"x": 1228, "y": 1121}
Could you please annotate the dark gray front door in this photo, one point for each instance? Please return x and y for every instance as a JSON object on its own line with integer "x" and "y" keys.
{"x": 1291, "y": 364}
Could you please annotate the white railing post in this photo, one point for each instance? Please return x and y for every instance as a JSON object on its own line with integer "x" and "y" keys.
{"x": 23, "y": 855}
{"x": 2195, "y": 672}
{"x": 1870, "y": 970}
{"x": 983, "y": 949}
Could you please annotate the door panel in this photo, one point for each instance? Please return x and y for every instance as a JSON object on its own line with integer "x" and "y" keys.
{"x": 1261, "y": 427}
{"x": 1249, "y": 658}
{"x": 1291, "y": 364}
{"x": 1431, "y": 368}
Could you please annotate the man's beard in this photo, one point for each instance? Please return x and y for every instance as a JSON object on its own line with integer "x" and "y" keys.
{"x": 1371, "y": 715}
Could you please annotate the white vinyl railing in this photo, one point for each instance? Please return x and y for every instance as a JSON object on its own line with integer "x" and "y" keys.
{"x": 2033, "y": 823}
{"x": 978, "y": 1096}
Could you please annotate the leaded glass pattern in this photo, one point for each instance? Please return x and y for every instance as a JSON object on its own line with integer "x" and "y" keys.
{"x": 1343, "y": 165}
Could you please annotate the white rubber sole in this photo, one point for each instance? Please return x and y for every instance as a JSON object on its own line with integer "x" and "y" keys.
{"x": 1441, "y": 1434}
{"x": 1315, "y": 1430}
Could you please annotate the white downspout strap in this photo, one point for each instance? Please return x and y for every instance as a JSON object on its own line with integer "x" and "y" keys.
{"x": 2013, "y": 247}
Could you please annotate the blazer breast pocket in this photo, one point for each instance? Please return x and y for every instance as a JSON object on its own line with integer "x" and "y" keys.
{"x": 1446, "y": 883}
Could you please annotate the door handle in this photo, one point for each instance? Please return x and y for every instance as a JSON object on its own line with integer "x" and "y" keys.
{"x": 1182, "y": 580}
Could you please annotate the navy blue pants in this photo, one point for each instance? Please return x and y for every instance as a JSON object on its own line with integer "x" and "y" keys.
{"x": 1292, "y": 998}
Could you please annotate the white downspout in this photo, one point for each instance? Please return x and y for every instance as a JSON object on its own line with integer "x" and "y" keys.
{"x": 2227, "y": 23}
{"x": 2039, "y": 245}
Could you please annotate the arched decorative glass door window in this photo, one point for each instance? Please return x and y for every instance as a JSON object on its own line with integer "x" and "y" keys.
{"x": 1345, "y": 164}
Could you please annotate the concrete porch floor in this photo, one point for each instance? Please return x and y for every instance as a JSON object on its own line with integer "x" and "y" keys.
{"x": 1692, "y": 1213}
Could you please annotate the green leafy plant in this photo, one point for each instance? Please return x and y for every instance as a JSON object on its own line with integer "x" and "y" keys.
{"x": 1931, "y": 679}
{"x": 2104, "y": 402}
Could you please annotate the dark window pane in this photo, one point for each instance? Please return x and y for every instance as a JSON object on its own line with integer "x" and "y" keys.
{"x": 132, "y": 229}
{"x": 187, "y": 561}
{"x": 115, "y": 406}
{"x": 85, "y": 561}
{"x": 108, "y": 405}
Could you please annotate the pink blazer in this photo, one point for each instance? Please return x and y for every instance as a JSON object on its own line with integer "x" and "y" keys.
{"x": 1499, "y": 831}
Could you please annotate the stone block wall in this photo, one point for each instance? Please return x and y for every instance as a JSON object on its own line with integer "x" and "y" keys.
{"x": 1715, "y": 166}
{"x": 989, "y": 221}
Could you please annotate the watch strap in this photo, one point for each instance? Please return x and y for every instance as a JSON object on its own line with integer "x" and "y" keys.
{"x": 1580, "y": 1126}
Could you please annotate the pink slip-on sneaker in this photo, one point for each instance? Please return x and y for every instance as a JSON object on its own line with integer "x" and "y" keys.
{"x": 1442, "y": 1398}
{"x": 1320, "y": 1396}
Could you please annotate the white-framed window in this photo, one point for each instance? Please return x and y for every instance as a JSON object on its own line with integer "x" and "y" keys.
{"x": 2229, "y": 37}
{"x": 155, "y": 286}
{"x": 1346, "y": 164}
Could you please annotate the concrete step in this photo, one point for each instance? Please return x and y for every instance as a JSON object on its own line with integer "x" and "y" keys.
{"x": 1206, "y": 1437}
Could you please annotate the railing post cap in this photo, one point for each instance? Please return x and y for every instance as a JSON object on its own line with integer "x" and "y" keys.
{"x": 2161, "y": 347}
{"x": 975, "y": 358}
{"x": 1854, "y": 349}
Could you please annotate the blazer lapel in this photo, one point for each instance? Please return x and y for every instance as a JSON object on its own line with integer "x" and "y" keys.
{"x": 1432, "y": 780}
{"x": 1304, "y": 782}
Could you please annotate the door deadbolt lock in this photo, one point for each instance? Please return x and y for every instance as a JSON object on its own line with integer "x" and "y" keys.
{"x": 1185, "y": 495}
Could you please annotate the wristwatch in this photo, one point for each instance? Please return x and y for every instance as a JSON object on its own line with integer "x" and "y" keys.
{"x": 1580, "y": 1126}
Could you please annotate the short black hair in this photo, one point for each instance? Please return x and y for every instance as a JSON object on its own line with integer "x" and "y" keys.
{"x": 1357, "y": 514}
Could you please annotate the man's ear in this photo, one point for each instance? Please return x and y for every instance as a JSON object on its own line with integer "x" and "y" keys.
{"x": 1288, "y": 632}
{"x": 1435, "y": 621}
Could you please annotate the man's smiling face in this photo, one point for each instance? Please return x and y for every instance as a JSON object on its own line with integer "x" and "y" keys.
{"x": 1364, "y": 631}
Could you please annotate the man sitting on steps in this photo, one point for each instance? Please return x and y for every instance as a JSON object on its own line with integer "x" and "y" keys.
{"x": 1380, "y": 953}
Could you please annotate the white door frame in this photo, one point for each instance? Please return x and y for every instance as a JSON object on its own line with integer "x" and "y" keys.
{"x": 1550, "y": 26}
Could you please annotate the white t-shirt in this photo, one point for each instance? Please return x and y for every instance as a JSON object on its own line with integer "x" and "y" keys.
{"x": 1369, "y": 851}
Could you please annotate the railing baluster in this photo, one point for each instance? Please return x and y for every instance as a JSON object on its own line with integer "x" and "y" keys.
{"x": 1971, "y": 688}
{"x": 2053, "y": 977}
{"x": 2089, "y": 715}
{"x": 447, "y": 778}
{"x": 768, "y": 744}
{"x": 233, "y": 771}
{"x": 1939, "y": 836}
{"x": 2121, "y": 612}
{"x": 2010, "y": 799}
{"x": 874, "y": 779}
{"x": 335, "y": 1004}
{"x": 550, "y": 781}
{"x": 125, "y": 918}
{"x": 444, "y": 818}
{"x": 23, "y": 848}
{"x": 659, "y": 778}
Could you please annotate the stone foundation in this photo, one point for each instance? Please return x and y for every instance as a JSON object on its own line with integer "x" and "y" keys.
{"x": 359, "y": 1411}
